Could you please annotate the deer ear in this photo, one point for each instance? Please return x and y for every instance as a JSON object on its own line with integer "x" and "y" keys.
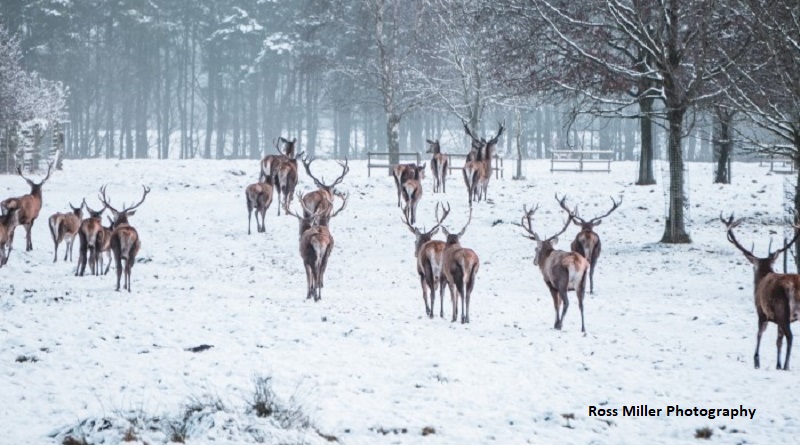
{"x": 131, "y": 213}
{"x": 598, "y": 223}
{"x": 554, "y": 241}
{"x": 576, "y": 223}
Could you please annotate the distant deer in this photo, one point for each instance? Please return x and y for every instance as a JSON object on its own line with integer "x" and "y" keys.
{"x": 428, "y": 254}
{"x": 562, "y": 271}
{"x": 460, "y": 266}
{"x": 322, "y": 198}
{"x": 472, "y": 164}
{"x": 439, "y": 163}
{"x": 8, "y": 222}
{"x": 259, "y": 197}
{"x": 90, "y": 235}
{"x": 125, "y": 242}
{"x": 316, "y": 245}
{"x": 64, "y": 227}
{"x": 777, "y": 295}
{"x": 587, "y": 241}
{"x": 283, "y": 170}
{"x": 402, "y": 173}
{"x": 484, "y": 169}
{"x": 28, "y": 207}
{"x": 412, "y": 192}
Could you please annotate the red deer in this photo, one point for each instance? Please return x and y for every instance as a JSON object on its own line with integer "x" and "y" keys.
{"x": 8, "y": 222}
{"x": 125, "y": 242}
{"x": 64, "y": 227}
{"x": 428, "y": 254}
{"x": 460, "y": 266}
{"x": 283, "y": 169}
{"x": 473, "y": 164}
{"x": 316, "y": 244}
{"x": 484, "y": 170}
{"x": 587, "y": 241}
{"x": 777, "y": 295}
{"x": 258, "y": 196}
{"x": 439, "y": 163}
{"x": 104, "y": 248}
{"x": 412, "y": 193}
{"x": 28, "y": 208}
{"x": 90, "y": 235}
{"x": 562, "y": 271}
{"x": 402, "y": 173}
{"x": 322, "y": 198}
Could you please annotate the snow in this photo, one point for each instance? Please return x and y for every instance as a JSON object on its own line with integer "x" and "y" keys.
{"x": 667, "y": 325}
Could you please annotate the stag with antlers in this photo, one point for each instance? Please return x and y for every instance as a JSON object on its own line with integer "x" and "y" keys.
{"x": 478, "y": 169}
{"x": 777, "y": 296}
{"x": 562, "y": 271}
{"x": 587, "y": 241}
{"x": 439, "y": 163}
{"x": 125, "y": 242}
{"x": 258, "y": 196}
{"x": 28, "y": 208}
{"x": 64, "y": 227}
{"x": 90, "y": 235}
{"x": 460, "y": 266}
{"x": 428, "y": 254}
{"x": 316, "y": 243}
{"x": 322, "y": 198}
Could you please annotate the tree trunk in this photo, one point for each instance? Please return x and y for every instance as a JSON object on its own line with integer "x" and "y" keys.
{"x": 646, "y": 176}
{"x": 675, "y": 228}
{"x": 722, "y": 145}
{"x": 393, "y": 137}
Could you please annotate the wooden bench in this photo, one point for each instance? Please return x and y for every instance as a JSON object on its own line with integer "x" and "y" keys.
{"x": 778, "y": 163}
{"x": 497, "y": 164}
{"x": 380, "y": 159}
{"x": 581, "y": 160}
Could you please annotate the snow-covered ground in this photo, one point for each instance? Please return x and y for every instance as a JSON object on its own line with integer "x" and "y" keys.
{"x": 667, "y": 325}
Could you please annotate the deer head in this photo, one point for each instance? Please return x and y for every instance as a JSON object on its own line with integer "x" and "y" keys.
{"x": 547, "y": 245}
{"x": 422, "y": 236}
{"x": 329, "y": 188}
{"x": 433, "y": 146}
{"x": 120, "y": 217}
{"x": 78, "y": 211}
{"x": 761, "y": 266}
{"x": 36, "y": 188}
{"x": 288, "y": 147}
{"x": 594, "y": 222}
{"x": 455, "y": 238}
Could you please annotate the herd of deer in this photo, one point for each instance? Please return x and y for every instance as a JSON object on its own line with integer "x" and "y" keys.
{"x": 777, "y": 296}
{"x": 119, "y": 238}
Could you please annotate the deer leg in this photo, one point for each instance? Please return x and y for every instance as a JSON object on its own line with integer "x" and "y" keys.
{"x": 118, "y": 264}
{"x": 250, "y": 215}
{"x": 554, "y": 294}
{"x": 108, "y": 258}
{"x": 580, "y": 293}
{"x": 789, "y": 337}
{"x": 82, "y": 247}
{"x": 779, "y": 344}
{"x": 453, "y": 300}
{"x": 424, "y": 284}
{"x": 564, "y": 304}
{"x": 28, "y": 242}
{"x": 309, "y": 282}
{"x": 762, "y": 325}
{"x": 442, "y": 284}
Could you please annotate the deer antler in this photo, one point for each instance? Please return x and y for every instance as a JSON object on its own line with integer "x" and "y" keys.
{"x": 141, "y": 201}
{"x": 528, "y": 215}
{"x": 469, "y": 132}
{"x": 445, "y": 212}
{"x": 730, "y": 224}
{"x": 499, "y": 132}
{"x": 344, "y": 204}
{"x": 345, "y": 170}
{"x": 614, "y": 206}
{"x": 562, "y": 203}
{"x": 469, "y": 219}
{"x": 105, "y": 200}
{"x": 307, "y": 164}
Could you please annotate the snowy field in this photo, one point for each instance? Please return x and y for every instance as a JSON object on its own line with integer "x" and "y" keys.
{"x": 667, "y": 325}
